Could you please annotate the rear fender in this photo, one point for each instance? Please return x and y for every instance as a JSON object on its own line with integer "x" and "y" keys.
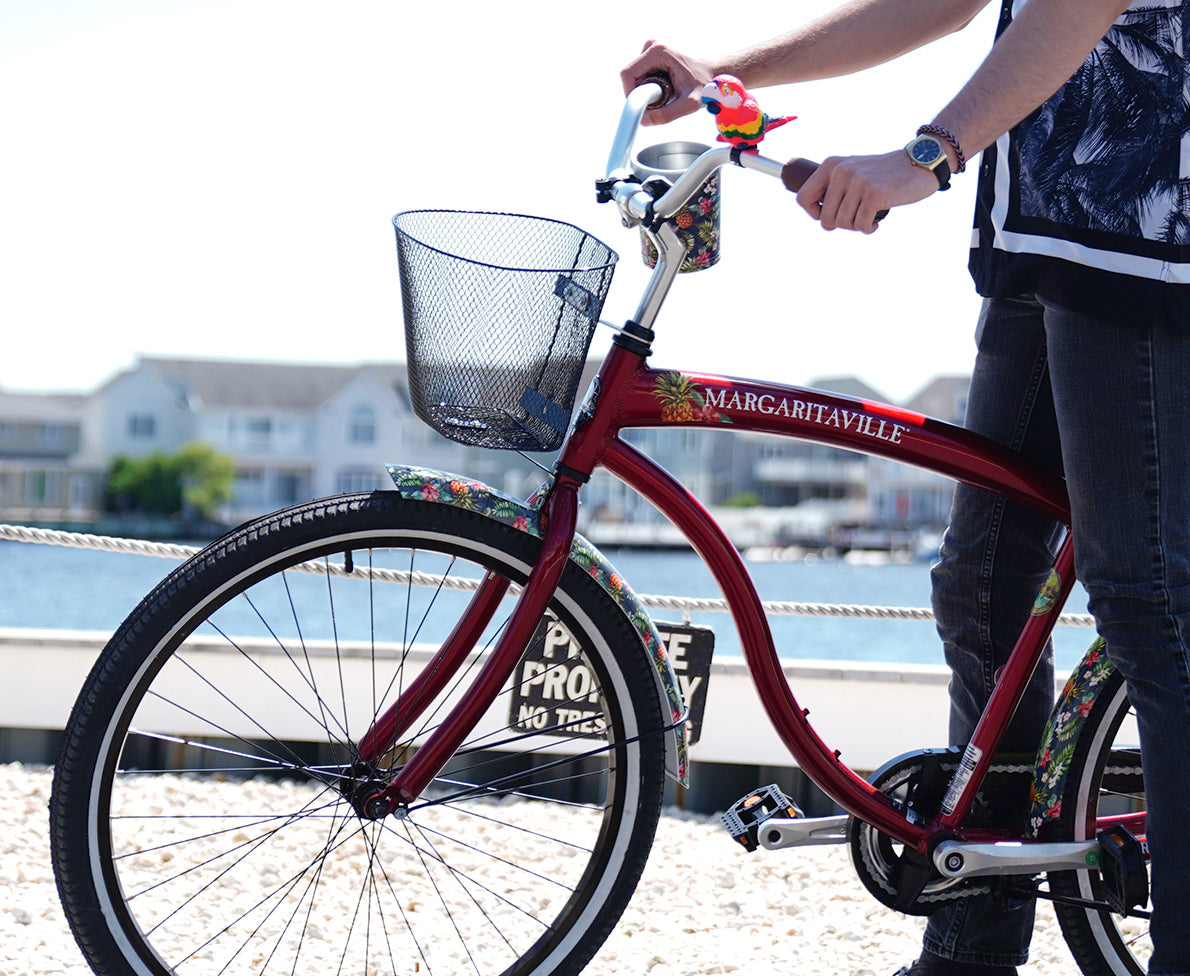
{"x": 456, "y": 491}
{"x": 1061, "y": 736}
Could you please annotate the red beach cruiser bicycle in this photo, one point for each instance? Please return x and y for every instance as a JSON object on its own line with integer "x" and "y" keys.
{"x": 298, "y": 754}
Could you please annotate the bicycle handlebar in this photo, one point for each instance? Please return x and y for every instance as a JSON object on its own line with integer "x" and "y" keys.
{"x": 639, "y": 99}
{"x": 637, "y": 205}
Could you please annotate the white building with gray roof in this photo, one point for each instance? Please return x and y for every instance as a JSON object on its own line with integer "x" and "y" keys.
{"x": 297, "y": 431}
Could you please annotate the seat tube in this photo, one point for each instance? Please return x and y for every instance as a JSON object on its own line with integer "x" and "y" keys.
{"x": 433, "y": 755}
{"x": 1009, "y": 689}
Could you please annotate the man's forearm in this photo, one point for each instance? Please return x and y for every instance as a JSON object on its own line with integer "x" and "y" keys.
{"x": 1042, "y": 48}
{"x": 857, "y": 35}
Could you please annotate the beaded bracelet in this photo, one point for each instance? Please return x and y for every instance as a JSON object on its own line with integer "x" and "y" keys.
{"x": 941, "y": 133}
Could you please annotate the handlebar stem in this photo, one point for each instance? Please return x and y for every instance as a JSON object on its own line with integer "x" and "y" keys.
{"x": 670, "y": 253}
{"x": 635, "y": 205}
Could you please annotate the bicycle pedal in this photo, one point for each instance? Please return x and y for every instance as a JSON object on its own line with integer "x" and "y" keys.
{"x": 747, "y": 815}
{"x": 1122, "y": 865}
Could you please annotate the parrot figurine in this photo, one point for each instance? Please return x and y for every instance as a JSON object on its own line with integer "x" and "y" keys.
{"x": 737, "y": 116}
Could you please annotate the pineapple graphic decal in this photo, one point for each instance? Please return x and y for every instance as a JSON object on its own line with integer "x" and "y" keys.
{"x": 681, "y": 403}
{"x": 676, "y": 395}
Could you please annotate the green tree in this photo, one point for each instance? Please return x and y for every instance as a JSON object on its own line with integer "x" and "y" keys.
{"x": 206, "y": 477}
{"x": 743, "y": 499}
{"x": 196, "y": 480}
{"x": 147, "y": 484}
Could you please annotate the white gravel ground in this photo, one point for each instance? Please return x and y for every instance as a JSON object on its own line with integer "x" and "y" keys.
{"x": 704, "y": 907}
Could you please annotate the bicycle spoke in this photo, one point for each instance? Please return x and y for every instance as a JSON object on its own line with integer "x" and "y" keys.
{"x": 218, "y": 728}
{"x": 209, "y": 835}
{"x": 512, "y": 865}
{"x": 262, "y": 762}
{"x": 520, "y": 828}
{"x": 461, "y": 877}
{"x": 252, "y": 844}
{"x": 317, "y": 863}
{"x": 307, "y": 676}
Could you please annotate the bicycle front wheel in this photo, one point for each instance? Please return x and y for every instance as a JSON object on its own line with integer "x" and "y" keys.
{"x": 205, "y": 811}
{"x": 1104, "y": 781}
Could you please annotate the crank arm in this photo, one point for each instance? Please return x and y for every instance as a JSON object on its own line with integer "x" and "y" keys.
{"x": 958, "y": 859}
{"x": 781, "y": 832}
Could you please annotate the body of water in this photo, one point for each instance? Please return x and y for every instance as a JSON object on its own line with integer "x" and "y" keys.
{"x": 76, "y": 589}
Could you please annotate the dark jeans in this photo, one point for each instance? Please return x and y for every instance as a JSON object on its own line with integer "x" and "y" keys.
{"x": 1120, "y": 396}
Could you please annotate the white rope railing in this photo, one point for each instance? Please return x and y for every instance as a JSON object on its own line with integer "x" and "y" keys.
{"x": 81, "y": 540}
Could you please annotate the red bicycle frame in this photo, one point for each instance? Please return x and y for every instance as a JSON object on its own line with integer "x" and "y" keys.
{"x": 630, "y": 400}
{"x": 626, "y": 394}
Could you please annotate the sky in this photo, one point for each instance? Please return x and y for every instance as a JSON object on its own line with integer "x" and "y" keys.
{"x": 216, "y": 178}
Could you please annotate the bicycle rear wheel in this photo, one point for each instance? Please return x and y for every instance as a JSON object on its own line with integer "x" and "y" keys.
{"x": 204, "y": 811}
{"x": 1104, "y": 780}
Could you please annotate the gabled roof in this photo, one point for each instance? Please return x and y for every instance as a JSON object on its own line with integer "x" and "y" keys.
{"x": 268, "y": 385}
{"x": 851, "y": 386}
{"x": 40, "y": 406}
{"x": 943, "y": 397}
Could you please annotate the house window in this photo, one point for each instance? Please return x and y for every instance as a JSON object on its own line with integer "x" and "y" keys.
{"x": 50, "y": 435}
{"x": 362, "y": 426}
{"x": 80, "y": 493}
{"x": 259, "y": 431}
{"x": 142, "y": 426}
{"x": 291, "y": 488}
{"x": 249, "y": 488}
{"x": 358, "y": 479}
{"x": 41, "y": 487}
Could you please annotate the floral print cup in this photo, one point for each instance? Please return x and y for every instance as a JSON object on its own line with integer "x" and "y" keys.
{"x": 697, "y": 224}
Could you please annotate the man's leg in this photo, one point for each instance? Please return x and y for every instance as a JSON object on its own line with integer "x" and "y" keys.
{"x": 995, "y": 557}
{"x": 1123, "y": 402}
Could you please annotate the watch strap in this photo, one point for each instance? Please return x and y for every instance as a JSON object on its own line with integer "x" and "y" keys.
{"x": 941, "y": 170}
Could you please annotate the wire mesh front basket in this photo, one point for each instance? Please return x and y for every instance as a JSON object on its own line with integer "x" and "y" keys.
{"x": 499, "y": 314}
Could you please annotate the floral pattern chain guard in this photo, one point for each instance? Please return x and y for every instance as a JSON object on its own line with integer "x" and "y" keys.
{"x": 426, "y": 484}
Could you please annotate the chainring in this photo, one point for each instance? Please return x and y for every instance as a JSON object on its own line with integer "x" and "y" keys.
{"x": 916, "y": 781}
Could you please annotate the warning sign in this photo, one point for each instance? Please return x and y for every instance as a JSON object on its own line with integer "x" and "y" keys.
{"x": 690, "y": 650}
{"x": 558, "y": 694}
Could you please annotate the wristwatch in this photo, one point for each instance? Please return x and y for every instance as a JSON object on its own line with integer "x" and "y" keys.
{"x": 927, "y": 152}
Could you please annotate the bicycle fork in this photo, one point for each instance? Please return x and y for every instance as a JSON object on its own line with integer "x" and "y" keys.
{"x": 433, "y": 755}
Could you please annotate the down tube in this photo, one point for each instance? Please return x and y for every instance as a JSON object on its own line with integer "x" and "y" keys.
{"x": 854, "y": 794}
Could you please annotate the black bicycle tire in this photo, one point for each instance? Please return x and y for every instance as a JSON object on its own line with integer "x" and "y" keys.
{"x": 1092, "y": 936}
{"x": 145, "y": 635}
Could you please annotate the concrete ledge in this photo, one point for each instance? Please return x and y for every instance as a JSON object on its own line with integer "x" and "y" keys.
{"x": 869, "y": 712}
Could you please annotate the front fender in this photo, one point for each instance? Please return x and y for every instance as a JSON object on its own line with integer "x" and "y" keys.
{"x": 441, "y": 488}
{"x": 1061, "y": 736}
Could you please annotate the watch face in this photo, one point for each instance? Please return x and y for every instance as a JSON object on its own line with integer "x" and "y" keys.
{"x": 925, "y": 151}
